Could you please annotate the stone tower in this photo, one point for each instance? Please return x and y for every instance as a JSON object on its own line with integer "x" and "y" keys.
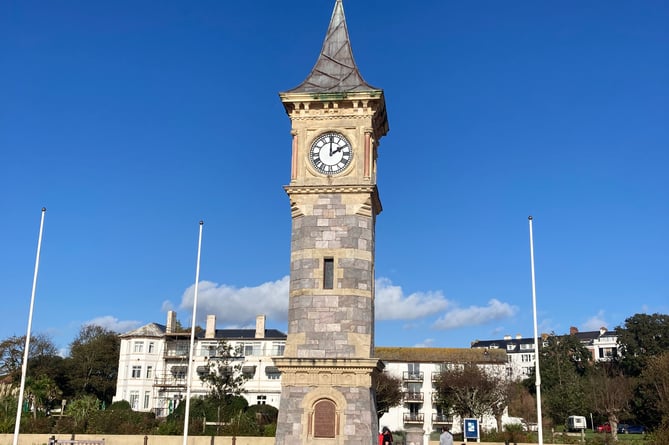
{"x": 328, "y": 366}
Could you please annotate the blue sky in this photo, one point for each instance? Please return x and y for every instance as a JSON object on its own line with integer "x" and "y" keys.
{"x": 132, "y": 120}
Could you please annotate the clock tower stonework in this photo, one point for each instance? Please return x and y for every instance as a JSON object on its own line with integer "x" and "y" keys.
{"x": 328, "y": 367}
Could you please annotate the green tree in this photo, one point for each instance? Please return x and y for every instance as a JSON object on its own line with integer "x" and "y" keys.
{"x": 42, "y": 391}
{"x": 653, "y": 389}
{"x": 388, "y": 390}
{"x": 12, "y": 349}
{"x": 223, "y": 374}
{"x": 81, "y": 410}
{"x": 93, "y": 362}
{"x": 643, "y": 336}
{"x": 564, "y": 362}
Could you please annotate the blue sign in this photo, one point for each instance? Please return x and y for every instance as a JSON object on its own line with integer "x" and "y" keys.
{"x": 471, "y": 429}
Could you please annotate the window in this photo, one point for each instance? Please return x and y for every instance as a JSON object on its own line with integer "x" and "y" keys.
{"x": 328, "y": 273}
{"x": 278, "y": 348}
{"x": 138, "y": 346}
{"x": 252, "y": 348}
{"x": 136, "y": 371}
{"x": 527, "y": 346}
{"x": 149, "y": 372}
{"x": 152, "y": 347}
{"x": 134, "y": 399}
{"x": 261, "y": 400}
{"x": 414, "y": 370}
{"x": 147, "y": 399}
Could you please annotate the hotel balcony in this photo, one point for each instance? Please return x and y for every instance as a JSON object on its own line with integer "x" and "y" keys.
{"x": 441, "y": 419}
{"x": 413, "y": 418}
{"x": 412, "y": 376}
{"x": 413, "y": 396}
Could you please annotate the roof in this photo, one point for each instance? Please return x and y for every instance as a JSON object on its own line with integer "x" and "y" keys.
{"x": 249, "y": 334}
{"x": 159, "y": 330}
{"x": 504, "y": 344}
{"x": 439, "y": 355}
{"x": 149, "y": 330}
{"x": 335, "y": 70}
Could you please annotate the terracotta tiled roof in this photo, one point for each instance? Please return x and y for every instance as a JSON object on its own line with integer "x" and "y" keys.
{"x": 439, "y": 355}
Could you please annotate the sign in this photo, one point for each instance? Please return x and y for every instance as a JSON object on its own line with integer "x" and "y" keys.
{"x": 471, "y": 429}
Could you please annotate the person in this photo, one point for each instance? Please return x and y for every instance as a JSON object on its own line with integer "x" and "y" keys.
{"x": 387, "y": 436}
{"x": 446, "y": 438}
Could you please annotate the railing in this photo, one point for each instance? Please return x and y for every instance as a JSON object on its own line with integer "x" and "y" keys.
{"x": 441, "y": 419}
{"x": 54, "y": 441}
{"x": 412, "y": 376}
{"x": 413, "y": 418}
{"x": 413, "y": 396}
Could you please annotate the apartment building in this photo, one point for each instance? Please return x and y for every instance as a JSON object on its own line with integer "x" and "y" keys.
{"x": 153, "y": 363}
{"x": 419, "y": 369}
{"x": 602, "y": 344}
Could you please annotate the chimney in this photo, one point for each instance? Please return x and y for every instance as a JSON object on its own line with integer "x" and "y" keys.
{"x": 573, "y": 330}
{"x": 171, "y": 322}
{"x": 519, "y": 337}
{"x": 507, "y": 337}
{"x": 602, "y": 330}
{"x": 210, "y": 331}
{"x": 260, "y": 326}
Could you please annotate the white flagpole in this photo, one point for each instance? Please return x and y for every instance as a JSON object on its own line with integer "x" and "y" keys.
{"x": 192, "y": 337}
{"x": 24, "y": 365}
{"x": 536, "y": 341}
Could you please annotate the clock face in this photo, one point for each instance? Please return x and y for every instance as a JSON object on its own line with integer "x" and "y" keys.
{"x": 330, "y": 153}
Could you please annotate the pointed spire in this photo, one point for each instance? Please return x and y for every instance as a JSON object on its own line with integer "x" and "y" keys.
{"x": 335, "y": 70}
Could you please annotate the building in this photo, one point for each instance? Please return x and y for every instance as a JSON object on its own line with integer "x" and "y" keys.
{"x": 153, "y": 363}
{"x": 602, "y": 344}
{"x": 419, "y": 368}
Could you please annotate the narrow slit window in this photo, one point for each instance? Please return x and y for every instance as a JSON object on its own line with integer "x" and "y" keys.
{"x": 328, "y": 273}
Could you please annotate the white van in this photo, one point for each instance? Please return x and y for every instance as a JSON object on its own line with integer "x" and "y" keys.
{"x": 576, "y": 423}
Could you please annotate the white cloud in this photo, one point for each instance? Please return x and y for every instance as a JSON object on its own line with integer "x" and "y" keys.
{"x": 427, "y": 343}
{"x": 237, "y": 306}
{"x": 114, "y": 324}
{"x": 392, "y": 304}
{"x": 475, "y": 315}
{"x": 595, "y": 322}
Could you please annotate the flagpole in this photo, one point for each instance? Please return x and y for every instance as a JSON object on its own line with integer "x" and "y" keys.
{"x": 536, "y": 340}
{"x": 26, "y": 350}
{"x": 192, "y": 337}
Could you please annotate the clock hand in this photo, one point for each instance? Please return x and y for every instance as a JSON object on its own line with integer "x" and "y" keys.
{"x": 331, "y": 153}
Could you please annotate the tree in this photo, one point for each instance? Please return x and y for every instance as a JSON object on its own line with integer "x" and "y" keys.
{"x": 654, "y": 390}
{"x": 42, "y": 391}
{"x": 611, "y": 393}
{"x": 93, "y": 362}
{"x": 12, "y": 349}
{"x": 224, "y": 376}
{"x": 388, "y": 390}
{"x": 81, "y": 409}
{"x": 563, "y": 362}
{"x": 643, "y": 336}
{"x": 471, "y": 391}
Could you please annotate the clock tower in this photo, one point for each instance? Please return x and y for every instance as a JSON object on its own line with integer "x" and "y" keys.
{"x": 328, "y": 367}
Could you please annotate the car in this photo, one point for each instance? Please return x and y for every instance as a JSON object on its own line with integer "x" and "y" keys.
{"x": 604, "y": 428}
{"x": 624, "y": 428}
